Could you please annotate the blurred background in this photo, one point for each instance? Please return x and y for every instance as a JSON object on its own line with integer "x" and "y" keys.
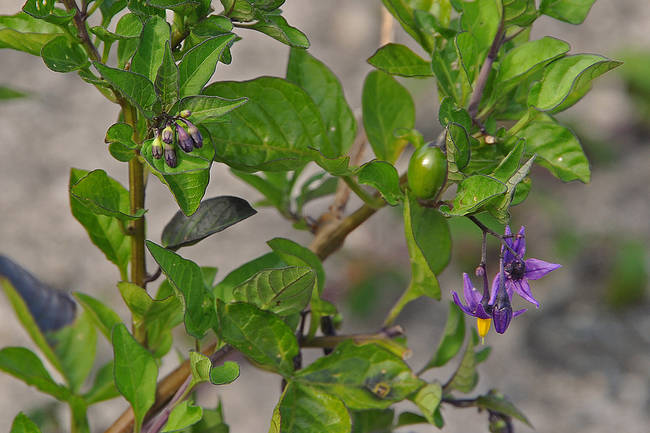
{"x": 581, "y": 363}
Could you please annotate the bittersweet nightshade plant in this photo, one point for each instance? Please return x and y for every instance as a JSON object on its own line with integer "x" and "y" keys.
{"x": 497, "y": 94}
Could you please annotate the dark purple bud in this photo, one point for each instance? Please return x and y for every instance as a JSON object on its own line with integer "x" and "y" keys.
{"x": 170, "y": 155}
{"x": 502, "y": 312}
{"x": 184, "y": 140}
{"x": 157, "y": 147}
{"x": 195, "y": 134}
{"x": 168, "y": 135}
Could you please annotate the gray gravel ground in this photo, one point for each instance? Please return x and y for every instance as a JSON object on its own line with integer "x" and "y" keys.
{"x": 571, "y": 369}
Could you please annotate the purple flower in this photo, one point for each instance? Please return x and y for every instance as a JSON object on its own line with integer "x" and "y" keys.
{"x": 502, "y": 312}
{"x": 518, "y": 271}
{"x": 474, "y": 307}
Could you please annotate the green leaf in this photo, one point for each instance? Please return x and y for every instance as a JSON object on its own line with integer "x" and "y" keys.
{"x": 121, "y": 147}
{"x": 501, "y": 207}
{"x": 62, "y": 55}
{"x": 224, "y": 374}
{"x": 110, "y": 8}
{"x": 186, "y": 277}
{"x": 213, "y": 25}
{"x": 104, "y": 231}
{"x": 103, "y": 387}
{"x": 449, "y": 113}
{"x": 474, "y": 192}
{"x": 558, "y": 149}
{"x": 410, "y": 418}
{"x": 423, "y": 280}
{"x": 278, "y": 28}
{"x": 465, "y": 377}
{"x": 9, "y": 93}
{"x": 305, "y": 409}
{"x": 482, "y": 19}
{"x": 188, "y": 188}
{"x": 278, "y": 129}
{"x": 224, "y": 290}
{"x": 445, "y": 77}
{"x": 458, "y": 150}
{"x": 528, "y": 57}
{"x": 403, "y": 13}
{"x": 103, "y": 316}
{"x": 135, "y": 87}
{"x": 397, "y": 59}
{"x": 22, "y": 424}
{"x": 104, "y": 196}
{"x": 566, "y": 80}
{"x": 23, "y": 32}
{"x": 75, "y": 346}
{"x": 387, "y": 106}
{"x": 363, "y": 377}
{"x": 183, "y": 416}
{"x": 200, "y": 366}
{"x": 206, "y": 108}
{"x": 570, "y": 11}
{"x": 372, "y": 421}
{"x": 452, "y": 338}
{"x": 469, "y": 56}
{"x": 295, "y": 254}
{"x": 260, "y": 335}
{"x": 136, "y": 299}
{"x": 46, "y": 11}
{"x": 166, "y": 83}
{"x": 431, "y": 233}
{"x": 198, "y": 64}
{"x": 29, "y": 324}
{"x": 496, "y": 402}
{"x": 314, "y": 188}
{"x": 326, "y": 91}
{"x": 212, "y": 216}
{"x": 428, "y": 400}
{"x": 23, "y": 364}
{"x": 129, "y": 27}
{"x": 282, "y": 291}
{"x": 160, "y": 318}
{"x": 135, "y": 373}
{"x": 383, "y": 176}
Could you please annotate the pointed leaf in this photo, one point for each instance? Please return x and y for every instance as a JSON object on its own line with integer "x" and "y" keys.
{"x": 326, "y": 91}
{"x": 281, "y": 291}
{"x": 465, "y": 377}
{"x": 103, "y": 387}
{"x": 198, "y": 64}
{"x": 135, "y": 373}
{"x": 151, "y": 49}
{"x": 62, "y": 55}
{"x": 22, "y": 424}
{"x": 396, "y": 59}
{"x": 428, "y": 400}
{"x": 138, "y": 89}
{"x": 129, "y": 28}
{"x": 387, "y": 106}
{"x": 278, "y": 28}
{"x": 498, "y": 403}
{"x": 183, "y": 416}
{"x": 305, "y": 409}
{"x": 458, "y": 150}
{"x": 570, "y": 11}
{"x": 187, "y": 278}
{"x": 212, "y": 216}
{"x": 474, "y": 192}
{"x": 363, "y": 377}
{"x": 166, "y": 83}
{"x": 188, "y": 188}
{"x": 205, "y": 108}
{"x": 527, "y": 56}
{"x": 260, "y": 335}
{"x": 431, "y": 233}
{"x": 23, "y": 364}
{"x": 224, "y": 290}
{"x": 383, "y": 176}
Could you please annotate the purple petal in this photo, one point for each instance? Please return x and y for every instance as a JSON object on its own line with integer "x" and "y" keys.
{"x": 495, "y": 286}
{"x": 480, "y": 312}
{"x": 536, "y": 269}
{"x": 519, "y": 243}
{"x": 510, "y": 287}
{"x": 460, "y": 304}
{"x": 472, "y": 296}
{"x": 507, "y": 255}
{"x": 523, "y": 289}
{"x": 519, "y": 312}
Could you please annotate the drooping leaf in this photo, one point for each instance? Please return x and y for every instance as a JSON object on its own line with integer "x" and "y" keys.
{"x": 282, "y": 291}
{"x": 278, "y": 28}
{"x": 496, "y": 402}
{"x": 326, "y": 91}
{"x": 103, "y": 195}
{"x": 570, "y": 11}
{"x": 188, "y": 188}
{"x": 207, "y": 108}
{"x": 25, "y": 33}
{"x": 403, "y": 12}
{"x": 383, "y": 176}
{"x": 465, "y": 377}
{"x": 305, "y": 409}
{"x": 75, "y": 347}
{"x": 363, "y": 377}
{"x": 387, "y": 106}
{"x": 529, "y": 55}
{"x": 104, "y": 231}
{"x": 186, "y": 277}
{"x": 198, "y": 64}
{"x": 279, "y": 128}
{"x": 138, "y": 89}
{"x": 62, "y": 55}
{"x": 452, "y": 338}
{"x": 428, "y": 400}
{"x": 397, "y": 59}
{"x": 135, "y": 373}
{"x": 431, "y": 233}
{"x": 212, "y": 216}
{"x": 23, "y": 364}
{"x": 260, "y": 335}
{"x": 183, "y": 416}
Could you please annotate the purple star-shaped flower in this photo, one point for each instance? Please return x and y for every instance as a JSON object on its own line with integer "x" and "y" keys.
{"x": 473, "y": 298}
{"x": 518, "y": 271}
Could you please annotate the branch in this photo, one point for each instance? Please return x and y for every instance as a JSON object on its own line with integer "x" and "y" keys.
{"x": 80, "y": 23}
{"x": 332, "y": 341}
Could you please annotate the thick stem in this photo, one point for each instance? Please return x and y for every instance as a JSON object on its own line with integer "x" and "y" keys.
{"x": 80, "y": 23}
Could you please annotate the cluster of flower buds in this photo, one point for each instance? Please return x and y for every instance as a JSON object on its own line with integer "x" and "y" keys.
{"x": 188, "y": 137}
{"x": 495, "y": 305}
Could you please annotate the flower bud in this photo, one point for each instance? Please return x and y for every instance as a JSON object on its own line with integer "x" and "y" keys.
{"x": 170, "y": 155}
{"x": 184, "y": 140}
{"x": 195, "y": 134}
{"x": 157, "y": 147}
{"x": 502, "y": 312}
{"x": 185, "y": 114}
{"x": 168, "y": 135}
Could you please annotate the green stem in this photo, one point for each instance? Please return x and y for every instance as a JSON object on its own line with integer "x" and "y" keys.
{"x": 363, "y": 195}
{"x": 94, "y": 7}
{"x": 521, "y": 123}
